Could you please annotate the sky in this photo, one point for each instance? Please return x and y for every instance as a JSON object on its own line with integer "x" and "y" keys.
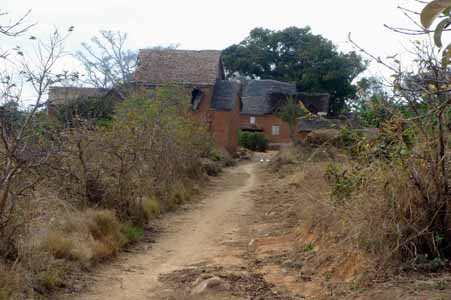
{"x": 214, "y": 24}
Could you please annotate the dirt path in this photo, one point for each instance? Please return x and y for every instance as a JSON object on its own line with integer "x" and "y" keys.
{"x": 198, "y": 236}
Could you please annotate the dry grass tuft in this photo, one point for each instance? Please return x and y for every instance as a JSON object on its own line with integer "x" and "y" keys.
{"x": 151, "y": 207}
{"x": 105, "y": 228}
{"x": 9, "y": 284}
{"x": 59, "y": 245}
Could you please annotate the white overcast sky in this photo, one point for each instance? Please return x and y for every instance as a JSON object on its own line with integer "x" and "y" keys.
{"x": 214, "y": 24}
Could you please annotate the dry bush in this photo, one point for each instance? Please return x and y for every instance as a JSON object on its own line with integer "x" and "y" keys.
{"x": 10, "y": 285}
{"x": 59, "y": 245}
{"x": 322, "y": 136}
{"x": 373, "y": 208}
{"x": 389, "y": 200}
{"x": 101, "y": 186}
{"x": 151, "y": 149}
{"x": 85, "y": 238}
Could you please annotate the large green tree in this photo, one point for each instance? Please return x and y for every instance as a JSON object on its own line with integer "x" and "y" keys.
{"x": 297, "y": 55}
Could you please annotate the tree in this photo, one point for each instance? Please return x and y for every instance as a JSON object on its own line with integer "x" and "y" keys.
{"x": 106, "y": 60}
{"x": 297, "y": 55}
{"x": 23, "y": 147}
{"x": 290, "y": 112}
{"x": 373, "y": 104}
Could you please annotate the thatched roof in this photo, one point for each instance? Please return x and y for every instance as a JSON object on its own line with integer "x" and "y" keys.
{"x": 315, "y": 102}
{"x": 179, "y": 66}
{"x": 261, "y": 97}
{"x": 315, "y": 124}
{"x": 225, "y": 95}
{"x": 62, "y": 95}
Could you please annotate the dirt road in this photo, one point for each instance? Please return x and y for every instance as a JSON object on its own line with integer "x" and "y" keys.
{"x": 198, "y": 236}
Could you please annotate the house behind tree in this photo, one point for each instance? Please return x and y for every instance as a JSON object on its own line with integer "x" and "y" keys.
{"x": 214, "y": 100}
{"x": 263, "y": 98}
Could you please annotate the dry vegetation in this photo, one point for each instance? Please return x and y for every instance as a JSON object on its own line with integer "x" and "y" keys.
{"x": 98, "y": 188}
{"x": 356, "y": 225}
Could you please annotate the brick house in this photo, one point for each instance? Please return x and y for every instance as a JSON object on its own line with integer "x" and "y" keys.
{"x": 214, "y": 100}
{"x": 261, "y": 100}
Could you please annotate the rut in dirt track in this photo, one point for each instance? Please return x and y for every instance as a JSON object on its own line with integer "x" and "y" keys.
{"x": 197, "y": 236}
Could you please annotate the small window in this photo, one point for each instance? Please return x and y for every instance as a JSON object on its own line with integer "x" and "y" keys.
{"x": 275, "y": 130}
{"x": 196, "y": 99}
{"x": 252, "y": 120}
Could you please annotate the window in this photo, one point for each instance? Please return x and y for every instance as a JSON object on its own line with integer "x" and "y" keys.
{"x": 275, "y": 130}
{"x": 252, "y": 120}
{"x": 196, "y": 99}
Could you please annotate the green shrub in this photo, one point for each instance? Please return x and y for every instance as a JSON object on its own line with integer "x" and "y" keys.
{"x": 254, "y": 141}
{"x": 133, "y": 233}
{"x": 342, "y": 181}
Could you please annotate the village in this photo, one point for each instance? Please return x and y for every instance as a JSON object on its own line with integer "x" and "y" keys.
{"x": 202, "y": 150}
{"x": 225, "y": 106}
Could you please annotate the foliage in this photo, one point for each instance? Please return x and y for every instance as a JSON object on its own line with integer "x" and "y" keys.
{"x": 98, "y": 109}
{"x": 24, "y": 143}
{"x": 399, "y": 182}
{"x": 133, "y": 233}
{"x": 148, "y": 148}
{"x": 296, "y": 55}
{"x": 372, "y": 103}
{"x": 343, "y": 182}
{"x": 429, "y": 14}
{"x": 290, "y": 112}
{"x": 254, "y": 141}
{"x": 151, "y": 207}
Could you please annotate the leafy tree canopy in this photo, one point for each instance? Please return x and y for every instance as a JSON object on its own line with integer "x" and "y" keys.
{"x": 296, "y": 55}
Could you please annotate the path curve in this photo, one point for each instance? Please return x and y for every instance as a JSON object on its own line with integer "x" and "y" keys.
{"x": 196, "y": 236}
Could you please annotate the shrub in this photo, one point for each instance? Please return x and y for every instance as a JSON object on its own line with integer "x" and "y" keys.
{"x": 151, "y": 207}
{"x": 323, "y": 136}
{"x": 133, "y": 233}
{"x": 253, "y": 141}
{"x": 342, "y": 181}
{"x": 103, "y": 224}
{"x": 9, "y": 284}
{"x": 50, "y": 279}
{"x": 107, "y": 235}
{"x": 59, "y": 245}
{"x": 147, "y": 147}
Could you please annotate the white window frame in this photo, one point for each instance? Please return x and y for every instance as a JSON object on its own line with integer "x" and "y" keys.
{"x": 252, "y": 120}
{"x": 275, "y": 129}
